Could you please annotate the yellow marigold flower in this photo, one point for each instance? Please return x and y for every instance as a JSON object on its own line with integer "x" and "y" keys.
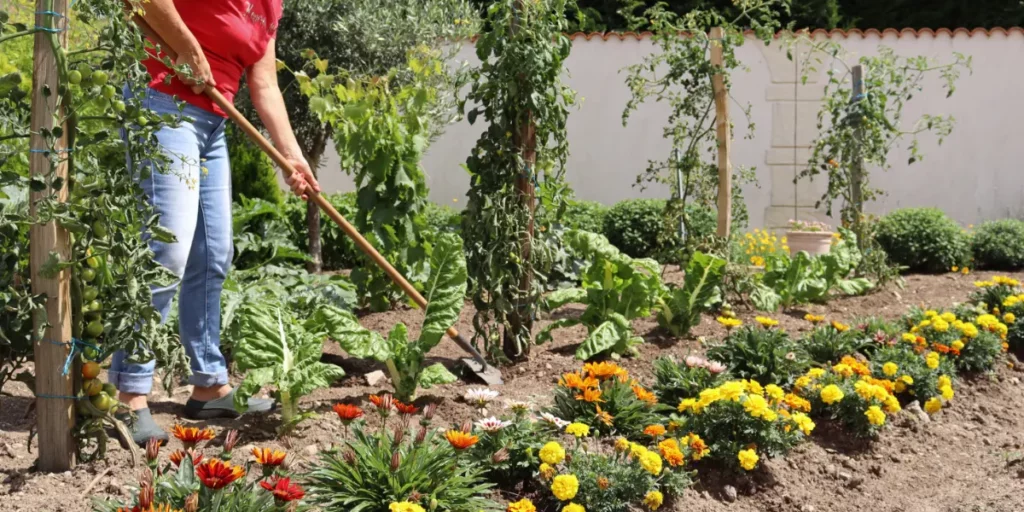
{"x": 932, "y": 360}
{"x": 816, "y": 373}
{"x": 774, "y": 392}
{"x": 908, "y": 337}
{"x": 944, "y": 381}
{"x": 651, "y": 463}
{"x": 831, "y": 394}
{"x": 752, "y": 386}
{"x": 947, "y": 392}
{"x": 802, "y": 382}
{"x": 843, "y": 369}
{"x": 841, "y": 327}
{"x": 933, "y": 405}
{"x": 621, "y": 445}
{"x": 955, "y": 269}
{"x": 552, "y": 453}
{"x": 730, "y": 390}
{"x": 890, "y": 369}
{"x": 687, "y": 404}
{"x": 637, "y": 451}
{"x": 405, "y": 506}
{"x": 756, "y": 406}
{"x": 572, "y": 507}
{"x": 892, "y": 405}
{"x": 940, "y": 325}
{"x": 748, "y": 459}
{"x": 814, "y": 319}
{"x": 948, "y": 317}
{"x": 931, "y": 313}
{"x": 1009, "y": 318}
{"x": 565, "y": 487}
{"x": 803, "y": 422}
{"x": 875, "y": 415}
{"x": 546, "y": 471}
{"x": 957, "y": 345}
{"x": 900, "y": 386}
{"x": 523, "y": 505}
{"x": 766, "y": 322}
{"x": 578, "y": 430}
{"x": 965, "y": 271}
{"x": 654, "y": 499}
{"x": 970, "y": 330}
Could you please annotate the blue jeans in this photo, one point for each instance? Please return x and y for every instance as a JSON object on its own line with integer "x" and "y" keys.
{"x": 193, "y": 199}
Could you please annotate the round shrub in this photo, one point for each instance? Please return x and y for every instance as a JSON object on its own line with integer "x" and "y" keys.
{"x": 922, "y": 239}
{"x": 585, "y": 215}
{"x": 999, "y": 245}
{"x": 634, "y": 226}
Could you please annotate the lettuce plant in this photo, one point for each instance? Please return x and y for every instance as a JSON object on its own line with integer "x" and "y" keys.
{"x": 681, "y": 308}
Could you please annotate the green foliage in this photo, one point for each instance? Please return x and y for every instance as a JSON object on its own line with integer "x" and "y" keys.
{"x": 922, "y": 239}
{"x": 827, "y": 344}
{"x": 803, "y": 279}
{"x": 909, "y": 362}
{"x": 681, "y": 76}
{"x": 841, "y": 394}
{"x": 507, "y": 450}
{"x": 376, "y": 468}
{"x": 635, "y": 227}
{"x": 17, "y": 302}
{"x": 999, "y": 245}
{"x": 765, "y": 355}
{"x": 518, "y": 90}
{"x": 616, "y": 290}
{"x": 252, "y": 173}
{"x": 608, "y": 404}
{"x": 263, "y": 235}
{"x": 337, "y": 249}
{"x": 276, "y": 348}
{"x": 676, "y": 380}
{"x": 584, "y": 215}
{"x": 680, "y": 310}
{"x": 445, "y": 291}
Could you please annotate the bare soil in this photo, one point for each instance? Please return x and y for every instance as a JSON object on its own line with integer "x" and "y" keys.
{"x": 962, "y": 460}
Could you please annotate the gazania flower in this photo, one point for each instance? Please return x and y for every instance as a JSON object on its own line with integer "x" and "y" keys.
{"x": 716, "y": 367}
{"x": 283, "y": 489}
{"x": 571, "y": 380}
{"x": 216, "y": 474}
{"x": 814, "y": 319}
{"x": 480, "y": 396}
{"x": 604, "y": 416}
{"x": 192, "y": 436}
{"x": 590, "y": 395}
{"x": 553, "y": 420}
{"x": 268, "y": 457}
{"x": 178, "y": 455}
{"x": 643, "y": 395}
{"x": 405, "y": 506}
{"x": 692, "y": 361}
{"x": 604, "y": 370}
{"x": 348, "y": 412}
{"x": 731, "y": 323}
{"x": 766, "y": 322}
{"x": 460, "y": 440}
{"x": 839, "y": 326}
{"x": 492, "y": 424}
{"x": 518, "y": 406}
{"x": 382, "y": 403}
{"x": 406, "y": 409}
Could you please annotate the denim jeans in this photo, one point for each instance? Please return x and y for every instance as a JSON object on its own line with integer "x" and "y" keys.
{"x": 193, "y": 200}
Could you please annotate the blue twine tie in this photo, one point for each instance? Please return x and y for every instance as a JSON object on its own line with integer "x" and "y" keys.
{"x": 75, "y": 343}
{"x": 54, "y": 14}
{"x": 56, "y": 150}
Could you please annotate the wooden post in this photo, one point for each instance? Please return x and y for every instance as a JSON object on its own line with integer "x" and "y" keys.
{"x": 724, "y": 137}
{"x": 857, "y": 169}
{"x": 55, "y": 417}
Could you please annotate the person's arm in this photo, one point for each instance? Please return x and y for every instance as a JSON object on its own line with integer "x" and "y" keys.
{"x": 269, "y": 102}
{"x": 165, "y": 20}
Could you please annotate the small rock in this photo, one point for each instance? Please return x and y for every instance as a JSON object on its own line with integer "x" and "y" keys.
{"x": 548, "y": 367}
{"x": 311, "y": 450}
{"x": 844, "y": 476}
{"x": 914, "y": 408}
{"x": 831, "y": 470}
{"x": 730, "y": 493}
{"x": 114, "y": 486}
{"x": 877, "y": 456}
{"x": 848, "y": 464}
{"x": 1015, "y": 381}
{"x": 807, "y": 508}
{"x": 855, "y": 482}
{"x": 986, "y": 441}
{"x": 374, "y": 378}
{"x": 706, "y": 495}
{"x": 978, "y": 418}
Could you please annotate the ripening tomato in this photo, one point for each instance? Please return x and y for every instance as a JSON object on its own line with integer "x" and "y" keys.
{"x": 90, "y": 370}
{"x": 92, "y": 387}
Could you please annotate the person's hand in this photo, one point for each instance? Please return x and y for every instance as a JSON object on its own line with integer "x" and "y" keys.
{"x": 202, "y": 75}
{"x": 302, "y": 182}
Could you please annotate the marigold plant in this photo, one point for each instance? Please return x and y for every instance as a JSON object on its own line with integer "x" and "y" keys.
{"x": 847, "y": 392}
{"x": 605, "y": 398}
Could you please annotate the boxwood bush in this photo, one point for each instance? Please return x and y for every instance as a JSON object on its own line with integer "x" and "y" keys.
{"x": 636, "y": 227}
{"x": 999, "y": 245}
{"x": 922, "y": 240}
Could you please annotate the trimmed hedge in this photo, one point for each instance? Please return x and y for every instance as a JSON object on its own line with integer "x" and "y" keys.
{"x": 922, "y": 240}
{"x": 999, "y": 245}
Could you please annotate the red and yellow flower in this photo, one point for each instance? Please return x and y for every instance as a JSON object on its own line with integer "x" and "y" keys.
{"x": 460, "y": 440}
{"x": 217, "y": 474}
{"x": 283, "y": 489}
{"x": 269, "y": 457}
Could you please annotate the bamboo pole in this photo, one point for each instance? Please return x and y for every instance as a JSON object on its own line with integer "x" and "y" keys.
{"x": 55, "y": 415}
{"x": 724, "y": 138}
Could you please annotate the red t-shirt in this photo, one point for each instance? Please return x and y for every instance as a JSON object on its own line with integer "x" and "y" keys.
{"x": 233, "y": 34}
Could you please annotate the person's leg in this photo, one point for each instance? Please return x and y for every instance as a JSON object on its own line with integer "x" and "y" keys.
{"x": 201, "y": 287}
{"x": 175, "y": 197}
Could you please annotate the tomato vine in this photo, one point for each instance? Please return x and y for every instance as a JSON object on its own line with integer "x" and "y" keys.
{"x": 518, "y": 90}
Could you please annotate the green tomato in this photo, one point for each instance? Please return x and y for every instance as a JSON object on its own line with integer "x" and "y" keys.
{"x": 99, "y": 229}
{"x": 108, "y": 91}
{"x": 75, "y": 76}
{"x": 102, "y": 401}
{"x": 141, "y": 120}
{"x": 100, "y": 77}
{"x": 93, "y": 262}
{"x": 90, "y": 294}
{"x": 85, "y": 70}
{"x": 119, "y": 107}
{"x": 88, "y": 275}
{"x": 94, "y": 329}
{"x": 110, "y": 389}
{"x": 95, "y": 306}
{"x": 91, "y": 353}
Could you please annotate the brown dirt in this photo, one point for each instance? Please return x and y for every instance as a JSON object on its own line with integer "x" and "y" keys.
{"x": 961, "y": 461}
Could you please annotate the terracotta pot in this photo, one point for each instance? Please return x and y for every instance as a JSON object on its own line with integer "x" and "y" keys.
{"x": 813, "y": 242}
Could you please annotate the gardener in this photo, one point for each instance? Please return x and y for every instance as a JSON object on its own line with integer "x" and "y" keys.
{"x": 219, "y": 41}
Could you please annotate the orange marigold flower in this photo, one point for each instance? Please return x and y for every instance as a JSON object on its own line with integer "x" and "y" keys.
{"x": 643, "y": 395}
{"x": 940, "y": 348}
{"x": 603, "y": 483}
{"x": 406, "y": 409}
{"x": 604, "y": 370}
{"x": 675, "y": 458}
{"x": 283, "y": 489}
{"x": 178, "y": 455}
{"x": 590, "y": 395}
{"x": 191, "y": 436}
{"x": 269, "y": 457}
{"x": 460, "y": 440}
{"x": 217, "y": 474}
{"x": 604, "y": 416}
{"x": 348, "y": 412}
{"x": 655, "y": 430}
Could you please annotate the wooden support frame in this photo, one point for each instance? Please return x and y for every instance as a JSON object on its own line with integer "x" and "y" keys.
{"x": 722, "y": 128}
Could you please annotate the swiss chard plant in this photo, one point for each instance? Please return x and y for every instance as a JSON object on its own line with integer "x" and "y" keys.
{"x": 405, "y": 359}
{"x": 616, "y": 289}
{"x": 275, "y": 348}
{"x": 680, "y": 309}
{"x": 804, "y": 279}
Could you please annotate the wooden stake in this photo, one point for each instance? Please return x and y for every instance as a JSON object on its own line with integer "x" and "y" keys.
{"x": 724, "y": 138}
{"x": 55, "y": 417}
{"x": 857, "y": 172}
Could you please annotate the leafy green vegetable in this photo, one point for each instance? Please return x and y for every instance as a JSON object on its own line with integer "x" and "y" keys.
{"x": 445, "y": 293}
{"x": 616, "y": 289}
{"x": 680, "y": 310}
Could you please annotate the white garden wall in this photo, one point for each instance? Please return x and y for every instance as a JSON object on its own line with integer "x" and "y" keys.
{"x": 975, "y": 175}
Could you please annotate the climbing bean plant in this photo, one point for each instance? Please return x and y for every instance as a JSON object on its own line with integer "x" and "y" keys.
{"x": 680, "y": 75}
{"x": 382, "y": 126}
{"x": 517, "y": 90}
{"x": 111, "y": 265}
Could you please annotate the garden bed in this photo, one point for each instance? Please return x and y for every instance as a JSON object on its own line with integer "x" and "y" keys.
{"x": 957, "y": 460}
